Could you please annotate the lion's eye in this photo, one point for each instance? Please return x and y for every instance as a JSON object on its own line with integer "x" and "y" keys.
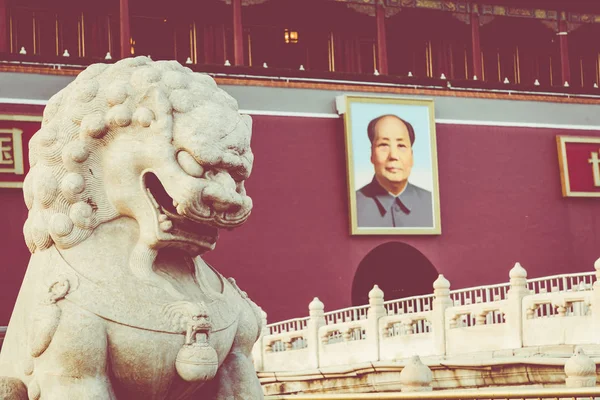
{"x": 189, "y": 164}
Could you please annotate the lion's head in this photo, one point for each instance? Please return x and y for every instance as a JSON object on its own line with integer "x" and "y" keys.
{"x": 152, "y": 141}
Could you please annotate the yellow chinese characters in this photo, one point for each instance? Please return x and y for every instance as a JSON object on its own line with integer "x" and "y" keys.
{"x": 11, "y": 151}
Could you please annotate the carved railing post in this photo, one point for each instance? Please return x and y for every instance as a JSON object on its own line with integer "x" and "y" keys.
{"x": 376, "y": 311}
{"x": 442, "y": 300}
{"x": 596, "y": 303}
{"x": 514, "y": 308}
{"x": 317, "y": 319}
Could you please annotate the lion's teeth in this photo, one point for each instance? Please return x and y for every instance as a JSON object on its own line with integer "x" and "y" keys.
{"x": 204, "y": 211}
{"x": 162, "y": 217}
{"x": 166, "y": 226}
{"x": 175, "y": 203}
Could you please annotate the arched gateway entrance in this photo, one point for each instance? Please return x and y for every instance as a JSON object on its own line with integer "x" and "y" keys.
{"x": 399, "y": 269}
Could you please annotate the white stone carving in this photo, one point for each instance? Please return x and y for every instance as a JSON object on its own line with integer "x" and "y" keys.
{"x": 580, "y": 370}
{"x": 517, "y": 333}
{"x": 505, "y": 318}
{"x": 135, "y": 168}
{"x": 416, "y": 376}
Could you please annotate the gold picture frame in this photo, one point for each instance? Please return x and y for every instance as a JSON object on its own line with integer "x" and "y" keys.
{"x": 415, "y": 210}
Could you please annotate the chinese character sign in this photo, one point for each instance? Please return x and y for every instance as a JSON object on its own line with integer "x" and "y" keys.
{"x": 579, "y": 159}
{"x": 11, "y": 151}
{"x": 15, "y": 133}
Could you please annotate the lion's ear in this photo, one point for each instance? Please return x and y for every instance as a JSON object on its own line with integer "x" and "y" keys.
{"x": 156, "y": 101}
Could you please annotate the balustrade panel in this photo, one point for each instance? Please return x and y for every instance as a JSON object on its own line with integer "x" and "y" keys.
{"x": 346, "y": 315}
{"x": 292, "y": 325}
{"x": 477, "y": 327}
{"x": 344, "y": 344}
{"x": 480, "y": 294}
{"x": 557, "y": 318}
{"x": 286, "y": 351}
{"x": 562, "y": 283}
{"x": 404, "y": 336}
{"x": 407, "y": 305}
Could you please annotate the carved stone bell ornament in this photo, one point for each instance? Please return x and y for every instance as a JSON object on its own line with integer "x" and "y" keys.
{"x": 197, "y": 360}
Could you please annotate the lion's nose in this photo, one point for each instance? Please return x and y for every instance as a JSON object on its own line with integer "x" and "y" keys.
{"x": 221, "y": 199}
{"x": 222, "y": 178}
{"x": 226, "y": 206}
{"x": 221, "y": 193}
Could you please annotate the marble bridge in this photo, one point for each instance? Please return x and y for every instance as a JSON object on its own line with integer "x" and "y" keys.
{"x": 528, "y": 333}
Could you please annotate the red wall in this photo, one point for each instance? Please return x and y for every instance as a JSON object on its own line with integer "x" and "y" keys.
{"x": 500, "y": 202}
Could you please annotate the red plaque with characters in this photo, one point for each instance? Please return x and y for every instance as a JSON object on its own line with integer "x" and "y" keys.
{"x": 15, "y": 133}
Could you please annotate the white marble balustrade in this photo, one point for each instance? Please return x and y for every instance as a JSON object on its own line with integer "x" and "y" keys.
{"x": 406, "y": 335}
{"x": 554, "y": 310}
{"x": 559, "y": 317}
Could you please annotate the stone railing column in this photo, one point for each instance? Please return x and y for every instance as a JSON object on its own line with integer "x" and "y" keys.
{"x": 376, "y": 311}
{"x": 596, "y": 303}
{"x": 317, "y": 319}
{"x": 514, "y": 309}
{"x": 442, "y": 300}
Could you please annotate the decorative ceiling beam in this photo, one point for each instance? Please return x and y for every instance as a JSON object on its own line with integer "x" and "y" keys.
{"x": 248, "y": 2}
{"x": 461, "y": 6}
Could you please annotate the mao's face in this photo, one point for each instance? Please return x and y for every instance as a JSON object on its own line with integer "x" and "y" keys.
{"x": 391, "y": 151}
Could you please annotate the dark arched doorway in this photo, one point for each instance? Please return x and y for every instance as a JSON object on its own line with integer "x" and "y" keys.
{"x": 399, "y": 269}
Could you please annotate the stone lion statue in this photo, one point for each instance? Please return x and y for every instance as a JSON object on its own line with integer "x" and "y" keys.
{"x": 135, "y": 168}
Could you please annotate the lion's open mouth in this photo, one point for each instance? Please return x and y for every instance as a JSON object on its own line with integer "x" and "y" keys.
{"x": 169, "y": 218}
{"x": 156, "y": 189}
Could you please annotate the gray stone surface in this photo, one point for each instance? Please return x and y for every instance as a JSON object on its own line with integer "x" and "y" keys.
{"x": 27, "y": 87}
{"x": 15, "y": 85}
